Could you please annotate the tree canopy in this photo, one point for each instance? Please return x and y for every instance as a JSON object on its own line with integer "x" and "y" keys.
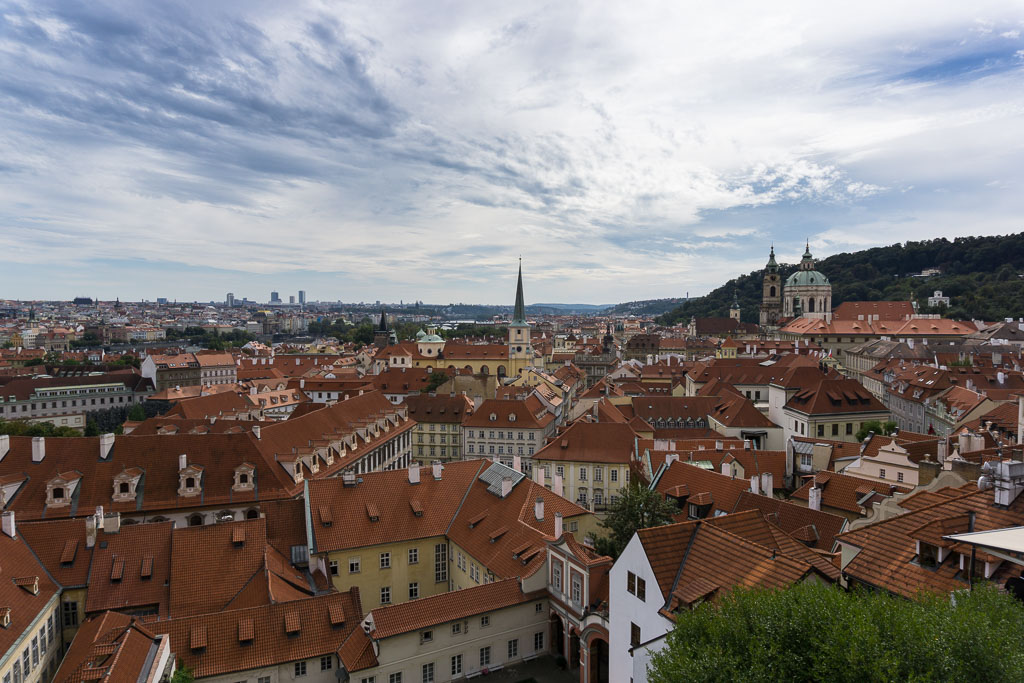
{"x": 969, "y": 276}
{"x": 26, "y": 428}
{"x": 636, "y": 508}
{"x": 883, "y": 428}
{"x": 814, "y": 632}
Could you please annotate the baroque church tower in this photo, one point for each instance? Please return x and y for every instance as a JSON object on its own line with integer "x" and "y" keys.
{"x": 520, "y": 349}
{"x": 771, "y": 296}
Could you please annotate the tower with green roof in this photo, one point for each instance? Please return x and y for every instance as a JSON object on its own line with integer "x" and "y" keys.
{"x": 807, "y": 292}
{"x": 771, "y": 294}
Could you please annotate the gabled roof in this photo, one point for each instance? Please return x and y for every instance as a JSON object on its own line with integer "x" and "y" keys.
{"x": 845, "y": 492}
{"x": 604, "y": 442}
{"x": 222, "y": 652}
{"x": 17, "y": 561}
{"x": 117, "y": 580}
{"x": 109, "y": 647}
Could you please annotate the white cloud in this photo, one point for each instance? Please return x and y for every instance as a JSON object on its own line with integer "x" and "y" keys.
{"x": 627, "y": 151}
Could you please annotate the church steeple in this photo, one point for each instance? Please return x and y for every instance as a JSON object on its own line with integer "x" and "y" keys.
{"x": 773, "y": 266}
{"x": 519, "y": 313}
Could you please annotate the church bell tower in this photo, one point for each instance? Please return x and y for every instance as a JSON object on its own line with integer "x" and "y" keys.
{"x": 771, "y": 296}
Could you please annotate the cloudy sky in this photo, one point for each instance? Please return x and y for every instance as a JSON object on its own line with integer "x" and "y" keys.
{"x": 389, "y": 150}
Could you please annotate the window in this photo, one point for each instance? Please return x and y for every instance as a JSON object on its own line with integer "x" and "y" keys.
{"x": 899, "y": 476}
{"x": 556, "y": 575}
{"x": 395, "y": 677}
{"x": 440, "y": 562}
{"x": 513, "y": 648}
{"x": 539, "y": 607}
{"x": 385, "y": 595}
{"x": 614, "y": 475}
{"x": 326, "y": 663}
{"x": 300, "y": 669}
{"x": 576, "y": 589}
{"x": 538, "y": 641}
{"x": 414, "y": 555}
{"x": 353, "y": 565}
{"x": 35, "y": 651}
{"x": 70, "y": 614}
{"x": 821, "y": 430}
{"x": 598, "y": 474}
{"x": 333, "y": 564}
{"x": 457, "y": 628}
{"x": 461, "y": 561}
{"x": 583, "y": 473}
{"x": 634, "y": 635}
{"x": 263, "y": 679}
{"x": 485, "y": 656}
{"x": 835, "y": 429}
{"x": 881, "y": 473}
{"x": 385, "y": 560}
{"x": 849, "y": 428}
{"x": 456, "y": 665}
{"x": 485, "y": 620}
{"x": 560, "y": 470}
{"x": 414, "y": 590}
{"x": 806, "y": 462}
{"x": 426, "y": 636}
{"x": 428, "y": 673}
{"x": 636, "y": 586}
{"x": 365, "y": 679}
{"x": 42, "y": 639}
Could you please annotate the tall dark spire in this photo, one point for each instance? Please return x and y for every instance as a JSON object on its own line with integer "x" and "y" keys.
{"x": 519, "y": 314}
{"x": 383, "y": 327}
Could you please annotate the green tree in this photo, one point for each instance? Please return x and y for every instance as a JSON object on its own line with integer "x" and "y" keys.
{"x": 137, "y": 413}
{"x": 637, "y": 508}
{"x": 91, "y": 428}
{"x": 182, "y": 674}
{"x": 813, "y": 632}
{"x": 882, "y": 428}
{"x": 437, "y": 378}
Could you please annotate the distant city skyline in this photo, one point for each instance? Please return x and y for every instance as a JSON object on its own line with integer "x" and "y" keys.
{"x": 400, "y": 152}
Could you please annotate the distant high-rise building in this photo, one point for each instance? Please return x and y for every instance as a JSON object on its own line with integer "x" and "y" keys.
{"x": 302, "y": 297}
{"x": 291, "y": 299}
{"x": 275, "y": 298}
{"x": 231, "y": 299}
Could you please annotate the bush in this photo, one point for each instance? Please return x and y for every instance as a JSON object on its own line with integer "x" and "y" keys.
{"x": 813, "y": 632}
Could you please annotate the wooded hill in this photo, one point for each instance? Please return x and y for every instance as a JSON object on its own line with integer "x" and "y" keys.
{"x": 981, "y": 275}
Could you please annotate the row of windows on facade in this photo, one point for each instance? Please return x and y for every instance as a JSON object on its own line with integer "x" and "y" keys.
{"x": 26, "y": 407}
{"x": 33, "y": 653}
{"x": 457, "y": 662}
{"x": 502, "y": 449}
{"x": 575, "y": 584}
{"x": 433, "y": 438}
{"x": 598, "y": 472}
{"x": 521, "y": 436}
{"x": 384, "y": 560}
{"x": 799, "y": 426}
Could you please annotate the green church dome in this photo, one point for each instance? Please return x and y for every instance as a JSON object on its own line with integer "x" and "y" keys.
{"x": 806, "y": 277}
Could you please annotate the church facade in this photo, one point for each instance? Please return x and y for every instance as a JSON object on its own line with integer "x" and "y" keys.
{"x": 807, "y": 293}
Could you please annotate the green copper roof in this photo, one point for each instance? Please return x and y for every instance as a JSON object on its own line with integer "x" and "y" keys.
{"x": 806, "y": 277}
{"x": 519, "y": 314}
{"x": 773, "y": 266}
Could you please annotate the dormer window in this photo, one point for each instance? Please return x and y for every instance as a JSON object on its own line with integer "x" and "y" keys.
{"x": 58, "y": 494}
{"x": 244, "y": 478}
{"x": 123, "y": 488}
{"x": 125, "y": 484}
{"x": 190, "y": 481}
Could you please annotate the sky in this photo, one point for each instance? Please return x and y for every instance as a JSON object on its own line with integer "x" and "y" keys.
{"x": 385, "y": 150}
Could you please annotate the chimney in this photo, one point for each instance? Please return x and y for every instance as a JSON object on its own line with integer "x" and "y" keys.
{"x": 182, "y": 461}
{"x": 5, "y": 444}
{"x": 538, "y": 509}
{"x": 746, "y": 444}
{"x": 940, "y": 453}
{"x": 1020, "y": 425}
{"x": 90, "y": 531}
{"x": 256, "y": 431}
{"x": 8, "y": 524}
{"x": 539, "y": 474}
{"x": 112, "y": 522}
{"x": 38, "y": 448}
{"x": 252, "y": 391}
{"x": 814, "y": 498}
{"x": 671, "y": 458}
{"x": 302, "y": 383}
{"x": 556, "y": 485}
{"x": 506, "y": 486}
{"x": 755, "y": 485}
{"x": 517, "y": 463}
{"x": 558, "y": 525}
{"x": 1001, "y": 377}
{"x": 437, "y": 467}
{"x": 927, "y": 470}
{"x": 106, "y": 443}
{"x": 767, "y": 483}
{"x": 727, "y": 469}
{"x": 414, "y": 473}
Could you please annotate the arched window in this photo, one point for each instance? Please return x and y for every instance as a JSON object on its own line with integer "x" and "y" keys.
{"x": 123, "y": 488}
{"x": 484, "y": 370}
{"x": 195, "y": 520}
{"x": 810, "y": 305}
{"x": 771, "y": 291}
{"x": 252, "y": 514}
{"x": 190, "y": 482}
